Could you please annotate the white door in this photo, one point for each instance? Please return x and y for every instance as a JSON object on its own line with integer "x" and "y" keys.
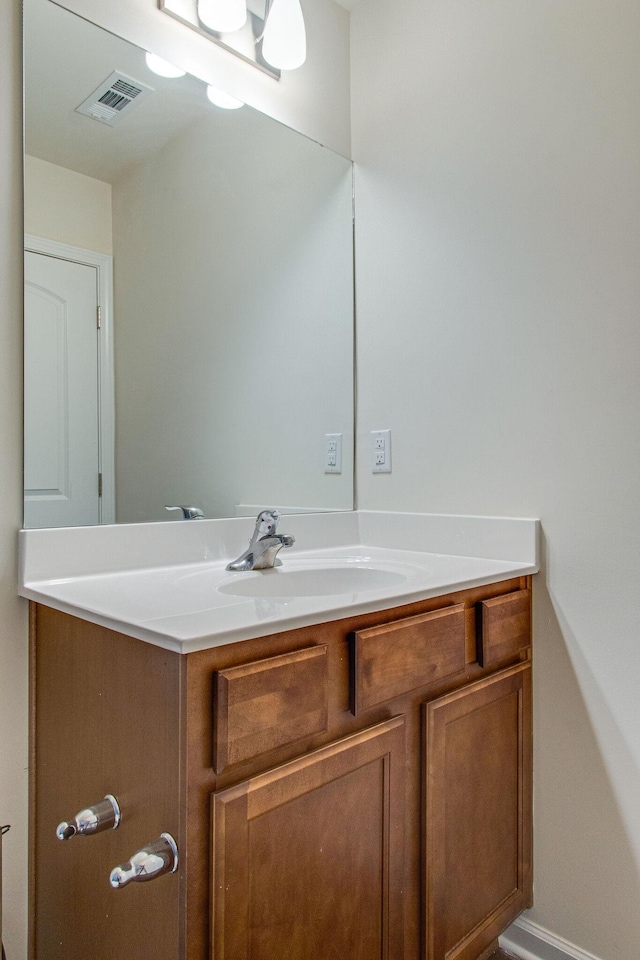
{"x": 61, "y": 393}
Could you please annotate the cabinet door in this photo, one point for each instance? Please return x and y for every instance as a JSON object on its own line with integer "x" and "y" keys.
{"x": 477, "y": 813}
{"x": 308, "y": 857}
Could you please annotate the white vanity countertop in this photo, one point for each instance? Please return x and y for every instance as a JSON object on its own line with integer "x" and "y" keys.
{"x": 167, "y": 583}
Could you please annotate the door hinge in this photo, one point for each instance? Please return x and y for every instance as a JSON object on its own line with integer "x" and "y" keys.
{"x": 99, "y": 317}
{"x": 99, "y": 484}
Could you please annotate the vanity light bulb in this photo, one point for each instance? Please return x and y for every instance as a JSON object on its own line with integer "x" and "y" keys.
{"x": 223, "y": 16}
{"x": 284, "y": 42}
{"x": 162, "y": 67}
{"x": 222, "y": 99}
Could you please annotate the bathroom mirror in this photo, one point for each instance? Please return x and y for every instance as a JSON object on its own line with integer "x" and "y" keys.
{"x": 217, "y": 245}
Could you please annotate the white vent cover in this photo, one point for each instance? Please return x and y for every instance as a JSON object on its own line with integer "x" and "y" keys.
{"x": 113, "y": 98}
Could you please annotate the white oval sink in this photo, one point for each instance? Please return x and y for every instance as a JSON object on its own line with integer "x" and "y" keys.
{"x": 316, "y": 582}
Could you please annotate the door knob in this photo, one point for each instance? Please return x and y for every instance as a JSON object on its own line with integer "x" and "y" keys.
{"x": 104, "y": 815}
{"x": 157, "y": 858}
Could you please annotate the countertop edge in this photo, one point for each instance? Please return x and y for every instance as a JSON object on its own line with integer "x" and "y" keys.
{"x": 282, "y": 625}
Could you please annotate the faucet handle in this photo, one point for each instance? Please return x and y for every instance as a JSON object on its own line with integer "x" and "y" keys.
{"x": 189, "y": 513}
{"x": 266, "y": 523}
{"x": 157, "y": 858}
{"x": 104, "y": 815}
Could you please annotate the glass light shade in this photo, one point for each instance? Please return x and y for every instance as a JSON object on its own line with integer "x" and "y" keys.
{"x": 222, "y": 99}
{"x": 223, "y": 16}
{"x": 162, "y": 67}
{"x": 284, "y": 43}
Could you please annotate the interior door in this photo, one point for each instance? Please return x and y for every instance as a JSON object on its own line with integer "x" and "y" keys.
{"x": 61, "y": 393}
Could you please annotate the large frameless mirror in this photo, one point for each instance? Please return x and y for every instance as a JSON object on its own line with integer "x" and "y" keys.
{"x": 188, "y": 294}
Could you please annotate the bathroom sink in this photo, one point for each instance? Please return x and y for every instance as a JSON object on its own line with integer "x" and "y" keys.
{"x": 312, "y": 582}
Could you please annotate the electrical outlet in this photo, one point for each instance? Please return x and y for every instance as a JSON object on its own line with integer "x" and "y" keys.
{"x": 381, "y": 451}
{"x": 333, "y": 453}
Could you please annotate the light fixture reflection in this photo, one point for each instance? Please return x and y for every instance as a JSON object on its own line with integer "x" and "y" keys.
{"x": 284, "y": 42}
{"x": 223, "y": 16}
{"x": 222, "y": 99}
{"x": 162, "y": 67}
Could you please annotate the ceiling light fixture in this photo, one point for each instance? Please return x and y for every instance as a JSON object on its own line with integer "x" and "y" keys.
{"x": 268, "y": 34}
{"x": 284, "y": 41}
{"x": 223, "y": 16}
{"x": 222, "y": 99}
{"x": 162, "y": 67}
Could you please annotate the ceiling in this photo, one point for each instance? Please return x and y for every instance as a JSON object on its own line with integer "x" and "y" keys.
{"x": 66, "y": 59}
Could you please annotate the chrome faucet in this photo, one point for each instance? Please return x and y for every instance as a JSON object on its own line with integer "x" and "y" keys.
{"x": 261, "y": 554}
{"x": 189, "y": 513}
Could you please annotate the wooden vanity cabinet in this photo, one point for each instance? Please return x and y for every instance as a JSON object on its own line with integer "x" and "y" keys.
{"x": 358, "y": 789}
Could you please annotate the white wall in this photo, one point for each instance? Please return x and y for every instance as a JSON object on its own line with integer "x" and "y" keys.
{"x": 497, "y": 149}
{"x": 313, "y": 99}
{"x": 66, "y": 206}
{"x": 13, "y": 630}
{"x": 233, "y": 321}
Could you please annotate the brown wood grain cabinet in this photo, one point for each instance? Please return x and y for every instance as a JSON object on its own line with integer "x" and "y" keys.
{"x": 357, "y": 789}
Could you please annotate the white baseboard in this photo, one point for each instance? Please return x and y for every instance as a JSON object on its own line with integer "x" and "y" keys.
{"x": 529, "y": 941}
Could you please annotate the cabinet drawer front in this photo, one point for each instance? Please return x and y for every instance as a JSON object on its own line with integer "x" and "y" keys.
{"x": 504, "y": 627}
{"x": 394, "y": 658}
{"x": 269, "y": 703}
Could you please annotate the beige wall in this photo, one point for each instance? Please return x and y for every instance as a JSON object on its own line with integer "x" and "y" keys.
{"x": 497, "y": 150}
{"x": 13, "y": 628}
{"x": 66, "y": 206}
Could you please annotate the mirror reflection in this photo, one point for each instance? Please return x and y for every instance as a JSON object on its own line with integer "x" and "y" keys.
{"x": 188, "y": 294}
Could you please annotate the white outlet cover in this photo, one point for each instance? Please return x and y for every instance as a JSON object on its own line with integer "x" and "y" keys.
{"x": 381, "y": 444}
{"x": 333, "y": 453}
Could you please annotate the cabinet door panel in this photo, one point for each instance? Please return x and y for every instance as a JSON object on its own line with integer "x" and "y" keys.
{"x": 477, "y": 827}
{"x": 308, "y": 858}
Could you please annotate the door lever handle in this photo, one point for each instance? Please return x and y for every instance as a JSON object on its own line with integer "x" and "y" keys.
{"x": 157, "y": 858}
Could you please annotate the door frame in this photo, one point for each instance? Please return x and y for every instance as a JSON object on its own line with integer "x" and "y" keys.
{"x": 106, "y": 381}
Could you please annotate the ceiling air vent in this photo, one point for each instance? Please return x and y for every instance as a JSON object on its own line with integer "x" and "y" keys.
{"x": 118, "y": 95}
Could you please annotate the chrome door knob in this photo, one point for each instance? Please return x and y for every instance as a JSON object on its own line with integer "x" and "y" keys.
{"x": 157, "y": 858}
{"x": 104, "y": 815}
